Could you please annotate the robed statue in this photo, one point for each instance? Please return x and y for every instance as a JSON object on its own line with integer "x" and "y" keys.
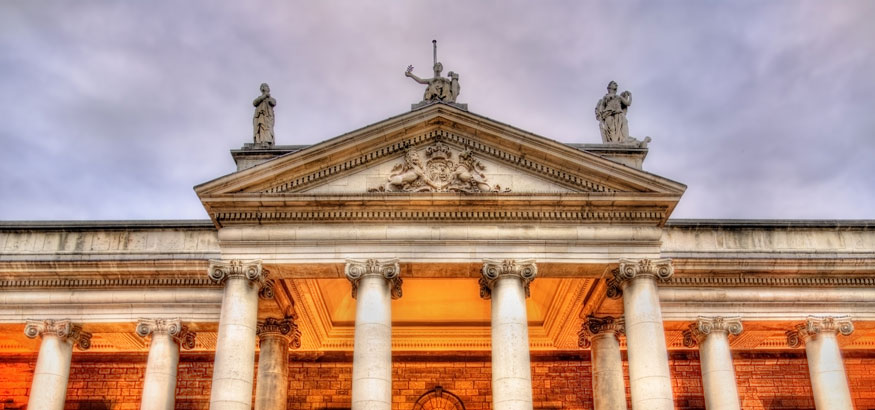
{"x": 262, "y": 121}
{"x": 611, "y": 113}
{"x": 438, "y": 88}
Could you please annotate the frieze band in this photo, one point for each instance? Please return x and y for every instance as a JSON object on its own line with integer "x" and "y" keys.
{"x": 389, "y": 269}
{"x": 64, "y": 329}
{"x": 492, "y": 270}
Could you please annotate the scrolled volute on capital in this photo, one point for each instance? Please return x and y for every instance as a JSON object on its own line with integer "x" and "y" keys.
{"x": 629, "y": 269}
{"x": 173, "y": 327}
{"x": 492, "y": 270}
{"x": 222, "y": 270}
{"x": 64, "y": 329}
{"x": 389, "y": 269}
{"x": 285, "y": 328}
{"x": 704, "y": 326}
{"x": 594, "y": 326}
{"x": 815, "y": 325}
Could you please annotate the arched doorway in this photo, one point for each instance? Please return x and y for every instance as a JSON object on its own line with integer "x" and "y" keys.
{"x": 438, "y": 399}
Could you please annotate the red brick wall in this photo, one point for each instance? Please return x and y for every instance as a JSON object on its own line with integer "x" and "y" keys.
{"x": 773, "y": 381}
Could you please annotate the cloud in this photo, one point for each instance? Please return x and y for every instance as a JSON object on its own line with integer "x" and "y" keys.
{"x": 116, "y": 110}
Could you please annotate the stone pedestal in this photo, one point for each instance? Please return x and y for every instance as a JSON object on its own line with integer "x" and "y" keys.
{"x": 374, "y": 285}
{"x": 506, "y": 283}
{"x": 649, "y": 377}
{"x": 718, "y": 373}
{"x": 829, "y": 383}
{"x": 234, "y": 367}
{"x": 601, "y": 335}
{"x": 272, "y": 383}
{"x": 159, "y": 383}
{"x": 48, "y": 390}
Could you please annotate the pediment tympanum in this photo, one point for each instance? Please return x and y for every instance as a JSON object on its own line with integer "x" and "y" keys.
{"x": 439, "y": 163}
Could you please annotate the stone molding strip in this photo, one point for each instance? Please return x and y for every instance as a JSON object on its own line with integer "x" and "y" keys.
{"x": 474, "y": 145}
{"x": 454, "y": 215}
{"x": 104, "y": 283}
{"x": 770, "y": 281}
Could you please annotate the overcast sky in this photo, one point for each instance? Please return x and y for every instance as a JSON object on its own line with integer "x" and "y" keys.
{"x": 115, "y": 110}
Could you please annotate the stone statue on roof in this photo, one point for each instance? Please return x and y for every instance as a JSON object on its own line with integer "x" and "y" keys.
{"x": 611, "y": 114}
{"x": 262, "y": 121}
{"x": 438, "y": 88}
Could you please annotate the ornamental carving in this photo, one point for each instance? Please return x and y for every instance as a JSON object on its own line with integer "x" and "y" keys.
{"x": 492, "y": 270}
{"x": 441, "y": 170}
{"x": 388, "y": 269}
{"x": 630, "y": 269}
{"x": 594, "y": 326}
{"x": 285, "y": 328}
{"x": 221, "y": 270}
{"x": 815, "y": 325}
{"x": 63, "y": 329}
{"x": 704, "y": 326}
{"x": 173, "y": 327}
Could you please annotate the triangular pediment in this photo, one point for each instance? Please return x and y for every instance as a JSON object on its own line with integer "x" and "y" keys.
{"x": 438, "y": 152}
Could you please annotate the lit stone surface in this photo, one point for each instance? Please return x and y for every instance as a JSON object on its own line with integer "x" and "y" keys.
{"x": 374, "y": 283}
{"x": 52, "y": 372}
{"x": 718, "y": 373}
{"x": 829, "y": 383}
{"x": 234, "y": 366}
{"x": 507, "y": 284}
{"x": 649, "y": 376}
{"x": 608, "y": 387}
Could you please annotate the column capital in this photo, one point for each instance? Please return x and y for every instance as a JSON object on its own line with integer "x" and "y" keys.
{"x": 173, "y": 327}
{"x": 815, "y": 325}
{"x": 64, "y": 329}
{"x": 284, "y": 328}
{"x": 389, "y": 269}
{"x": 704, "y": 326}
{"x": 492, "y": 270}
{"x": 593, "y": 326}
{"x": 222, "y": 270}
{"x": 630, "y": 269}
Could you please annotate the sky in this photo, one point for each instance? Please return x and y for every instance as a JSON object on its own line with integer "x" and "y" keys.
{"x": 115, "y": 110}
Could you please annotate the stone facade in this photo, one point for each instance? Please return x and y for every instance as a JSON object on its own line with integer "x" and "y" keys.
{"x": 438, "y": 256}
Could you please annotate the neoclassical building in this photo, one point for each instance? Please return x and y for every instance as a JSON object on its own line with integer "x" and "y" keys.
{"x": 438, "y": 259}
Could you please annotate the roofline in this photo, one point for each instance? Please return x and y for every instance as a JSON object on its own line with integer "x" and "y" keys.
{"x": 771, "y": 223}
{"x": 107, "y": 224}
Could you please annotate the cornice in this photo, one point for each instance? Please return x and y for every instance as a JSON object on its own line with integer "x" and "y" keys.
{"x": 42, "y": 283}
{"x": 751, "y": 280}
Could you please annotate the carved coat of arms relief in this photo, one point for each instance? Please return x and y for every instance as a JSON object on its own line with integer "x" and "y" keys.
{"x": 439, "y": 171}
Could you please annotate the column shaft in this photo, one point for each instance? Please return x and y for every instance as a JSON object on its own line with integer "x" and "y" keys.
{"x": 649, "y": 376}
{"x": 372, "y": 351}
{"x": 233, "y": 369}
{"x": 718, "y": 373}
{"x": 608, "y": 387}
{"x": 272, "y": 383}
{"x": 49, "y": 387}
{"x": 511, "y": 366}
{"x": 159, "y": 383}
{"x": 826, "y": 367}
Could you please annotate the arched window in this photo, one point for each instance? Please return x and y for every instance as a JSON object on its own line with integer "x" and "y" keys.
{"x": 438, "y": 399}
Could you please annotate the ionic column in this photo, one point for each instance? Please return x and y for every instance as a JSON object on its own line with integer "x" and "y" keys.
{"x": 507, "y": 284}
{"x": 159, "y": 383}
{"x": 48, "y": 389}
{"x": 828, "y": 380}
{"x": 374, "y": 285}
{"x": 715, "y": 358}
{"x": 601, "y": 335}
{"x": 234, "y": 366}
{"x": 649, "y": 377}
{"x": 272, "y": 382}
